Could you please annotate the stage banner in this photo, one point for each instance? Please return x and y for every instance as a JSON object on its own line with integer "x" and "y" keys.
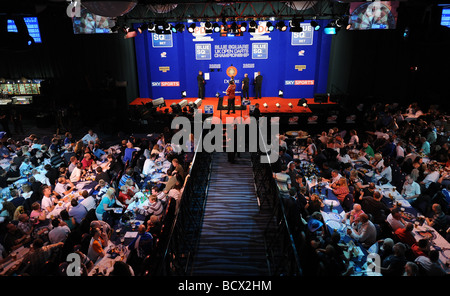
{"x": 296, "y": 63}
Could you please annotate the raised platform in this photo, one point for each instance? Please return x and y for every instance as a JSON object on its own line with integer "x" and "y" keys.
{"x": 212, "y": 104}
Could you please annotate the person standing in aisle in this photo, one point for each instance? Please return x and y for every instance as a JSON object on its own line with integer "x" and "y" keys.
{"x": 245, "y": 87}
{"x": 231, "y": 96}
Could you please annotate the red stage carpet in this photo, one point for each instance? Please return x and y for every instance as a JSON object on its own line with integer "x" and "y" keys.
{"x": 283, "y": 109}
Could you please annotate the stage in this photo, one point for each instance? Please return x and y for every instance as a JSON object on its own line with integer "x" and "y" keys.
{"x": 210, "y": 105}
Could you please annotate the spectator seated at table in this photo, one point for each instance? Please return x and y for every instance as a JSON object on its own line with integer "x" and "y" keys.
{"x": 63, "y": 187}
{"x": 160, "y": 194}
{"x": 384, "y": 174}
{"x": 4, "y": 151}
{"x": 140, "y": 247}
{"x": 38, "y": 216}
{"x": 354, "y": 214}
{"x": 87, "y": 162}
{"x": 375, "y": 207}
{"x": 100, "y": 189}
{"x": 341, "y": 189}
{"x": 77, "y": 211}
{"x": 175, "y": 174}
{"x": 393, "y": 265}
{"x": 365, "y": 232}
{"x": 421, "y": 248}
{"x": 155, "y": 207}
{"x": 439, "y": 221}
{"x": 40, "y": 177}
{"x": 405, "y": 235}
{"x": 149, "y": 165}
{"x": 128, "y": 153}
{"x": 283, "y": 180}
{"x": 99, "y": 153}
{"x": 14, "y": 238}
{"x": 25, "y": 224}
{"x": 331, "y": 264}
{"x": 127, "y": 192}
{"x": 411, "y": 189}
{"x": 102, "y": 175}
{"x": 77, "y": 173}
{"x": 107, "y": 204}
{"x": 90, "y": 136}
{"x": 395, "y": 219}
{"x": 335, "y": 177}
{"x": 386, "y": 248}
{"x": 128, "y": 175}
{"x": 34, "y": 262}
{"x": 88, "y": 201}
{"x": 96, "y": 245}
{"x": 314, "y": 204}
{"x": 59, "y": 232}
{"x": 430, "y": 264}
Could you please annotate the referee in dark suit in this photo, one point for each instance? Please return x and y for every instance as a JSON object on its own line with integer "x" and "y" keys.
{"x": 201, "y": 85}
{"x": 258, "y": 85}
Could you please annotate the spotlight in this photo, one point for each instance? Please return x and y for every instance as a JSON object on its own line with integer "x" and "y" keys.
{"x": 191, "y": 28}
{"x": 142, "y": 28}
{"x": 265, "y": 105}
{"x": 183, "y": 94}
{"x": 302, "y": 103}
{"x": 252, "y": 27}
{"x": 152, "y": 27}
{"x": 179, "y": 27}
{"x": 280, "y": 93}
{"x": 198, "y": 103}
{"x": 173, "y": 29}
{"x": 217, "y": 94}
{"x": 216, "y": 28}
{"x": 159, "y": 103}
{"x": 315, "y": 25}
{"x": 243, "y": 27}
{"x": 269, "y": 26}
{"x": 278, "y": 105}
{"x": 183, "y": 103}
{"x": 294, "y": 26}
{"x": 290, "y": 105}
{"x": 234, "y": 28}
{"x": 329, "y": 29}
{"x": 208, "y": 27}
{"x": 281, "y": 26}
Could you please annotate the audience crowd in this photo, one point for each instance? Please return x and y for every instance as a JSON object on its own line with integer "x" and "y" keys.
{"x": 42, "y": 208}
{"x": 390, "y": 145}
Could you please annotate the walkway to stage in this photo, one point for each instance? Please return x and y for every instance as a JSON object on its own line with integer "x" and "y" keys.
{"x": 231, "y": 241}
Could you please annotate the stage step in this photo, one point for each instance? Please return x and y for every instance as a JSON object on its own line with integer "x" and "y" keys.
{"x": 231, "y": 241}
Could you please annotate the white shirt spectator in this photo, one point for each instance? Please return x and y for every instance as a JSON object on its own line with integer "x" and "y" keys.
{"x": 381, "y": 135}
{"x": 89, "y": 203}
{"x": 395, "y": 224}
{"x": 76, "y": 175}
{"x": 400, "y": 151}
{"x": 46, "y": 202}
{"x": 88, "y": 138}
{"x": 42, "y": 178}
{"x": 387, "y": 173}
{"x": 149, "y": 167}
{"x": 411, "y": 189}
{"x": 431, "y": 178}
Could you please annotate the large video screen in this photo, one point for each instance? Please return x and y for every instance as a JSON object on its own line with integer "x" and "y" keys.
{"x": 373, "y": 15}
{"x": 445, "y": 17}
{"x": 32, "y": 26}
{"x": 89, "y": 23}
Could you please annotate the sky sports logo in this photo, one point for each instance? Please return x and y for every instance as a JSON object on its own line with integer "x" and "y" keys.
{"x": 299, "y": 82}
{"x": 166, "y": 83}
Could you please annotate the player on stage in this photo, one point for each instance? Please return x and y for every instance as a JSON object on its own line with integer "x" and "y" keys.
{"x": 201, "y": 85}
{"x": 258, "y": 85}
{"x": 245, "y": 86}
{"x": 231, "y": 96}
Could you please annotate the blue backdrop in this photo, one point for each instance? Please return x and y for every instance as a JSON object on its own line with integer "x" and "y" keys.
{"x": 296, "y": 63}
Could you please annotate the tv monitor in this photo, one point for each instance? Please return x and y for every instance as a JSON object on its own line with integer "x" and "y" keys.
{"x": 373, "y": 15}
{"x": 445, "y": 17}
{"x": 89, "y": 23}
{"x": 32, "y": 26}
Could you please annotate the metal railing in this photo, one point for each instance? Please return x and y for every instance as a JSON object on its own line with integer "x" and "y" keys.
{"x": 280, "y": 243}
{"x": 177, "y": 247}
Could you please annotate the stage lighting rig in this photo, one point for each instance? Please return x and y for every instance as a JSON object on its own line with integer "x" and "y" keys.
{"x": 208, "y": 27}
{"x": 252, "y": 27}
{"x": 302, "y": 103}
{"x": 280, "y": 93}
{"x": 198, "y": 103}
{"x": 183, "y": 94}
{"x": 281, "y": 26}
{"x": 191, "y": 28}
